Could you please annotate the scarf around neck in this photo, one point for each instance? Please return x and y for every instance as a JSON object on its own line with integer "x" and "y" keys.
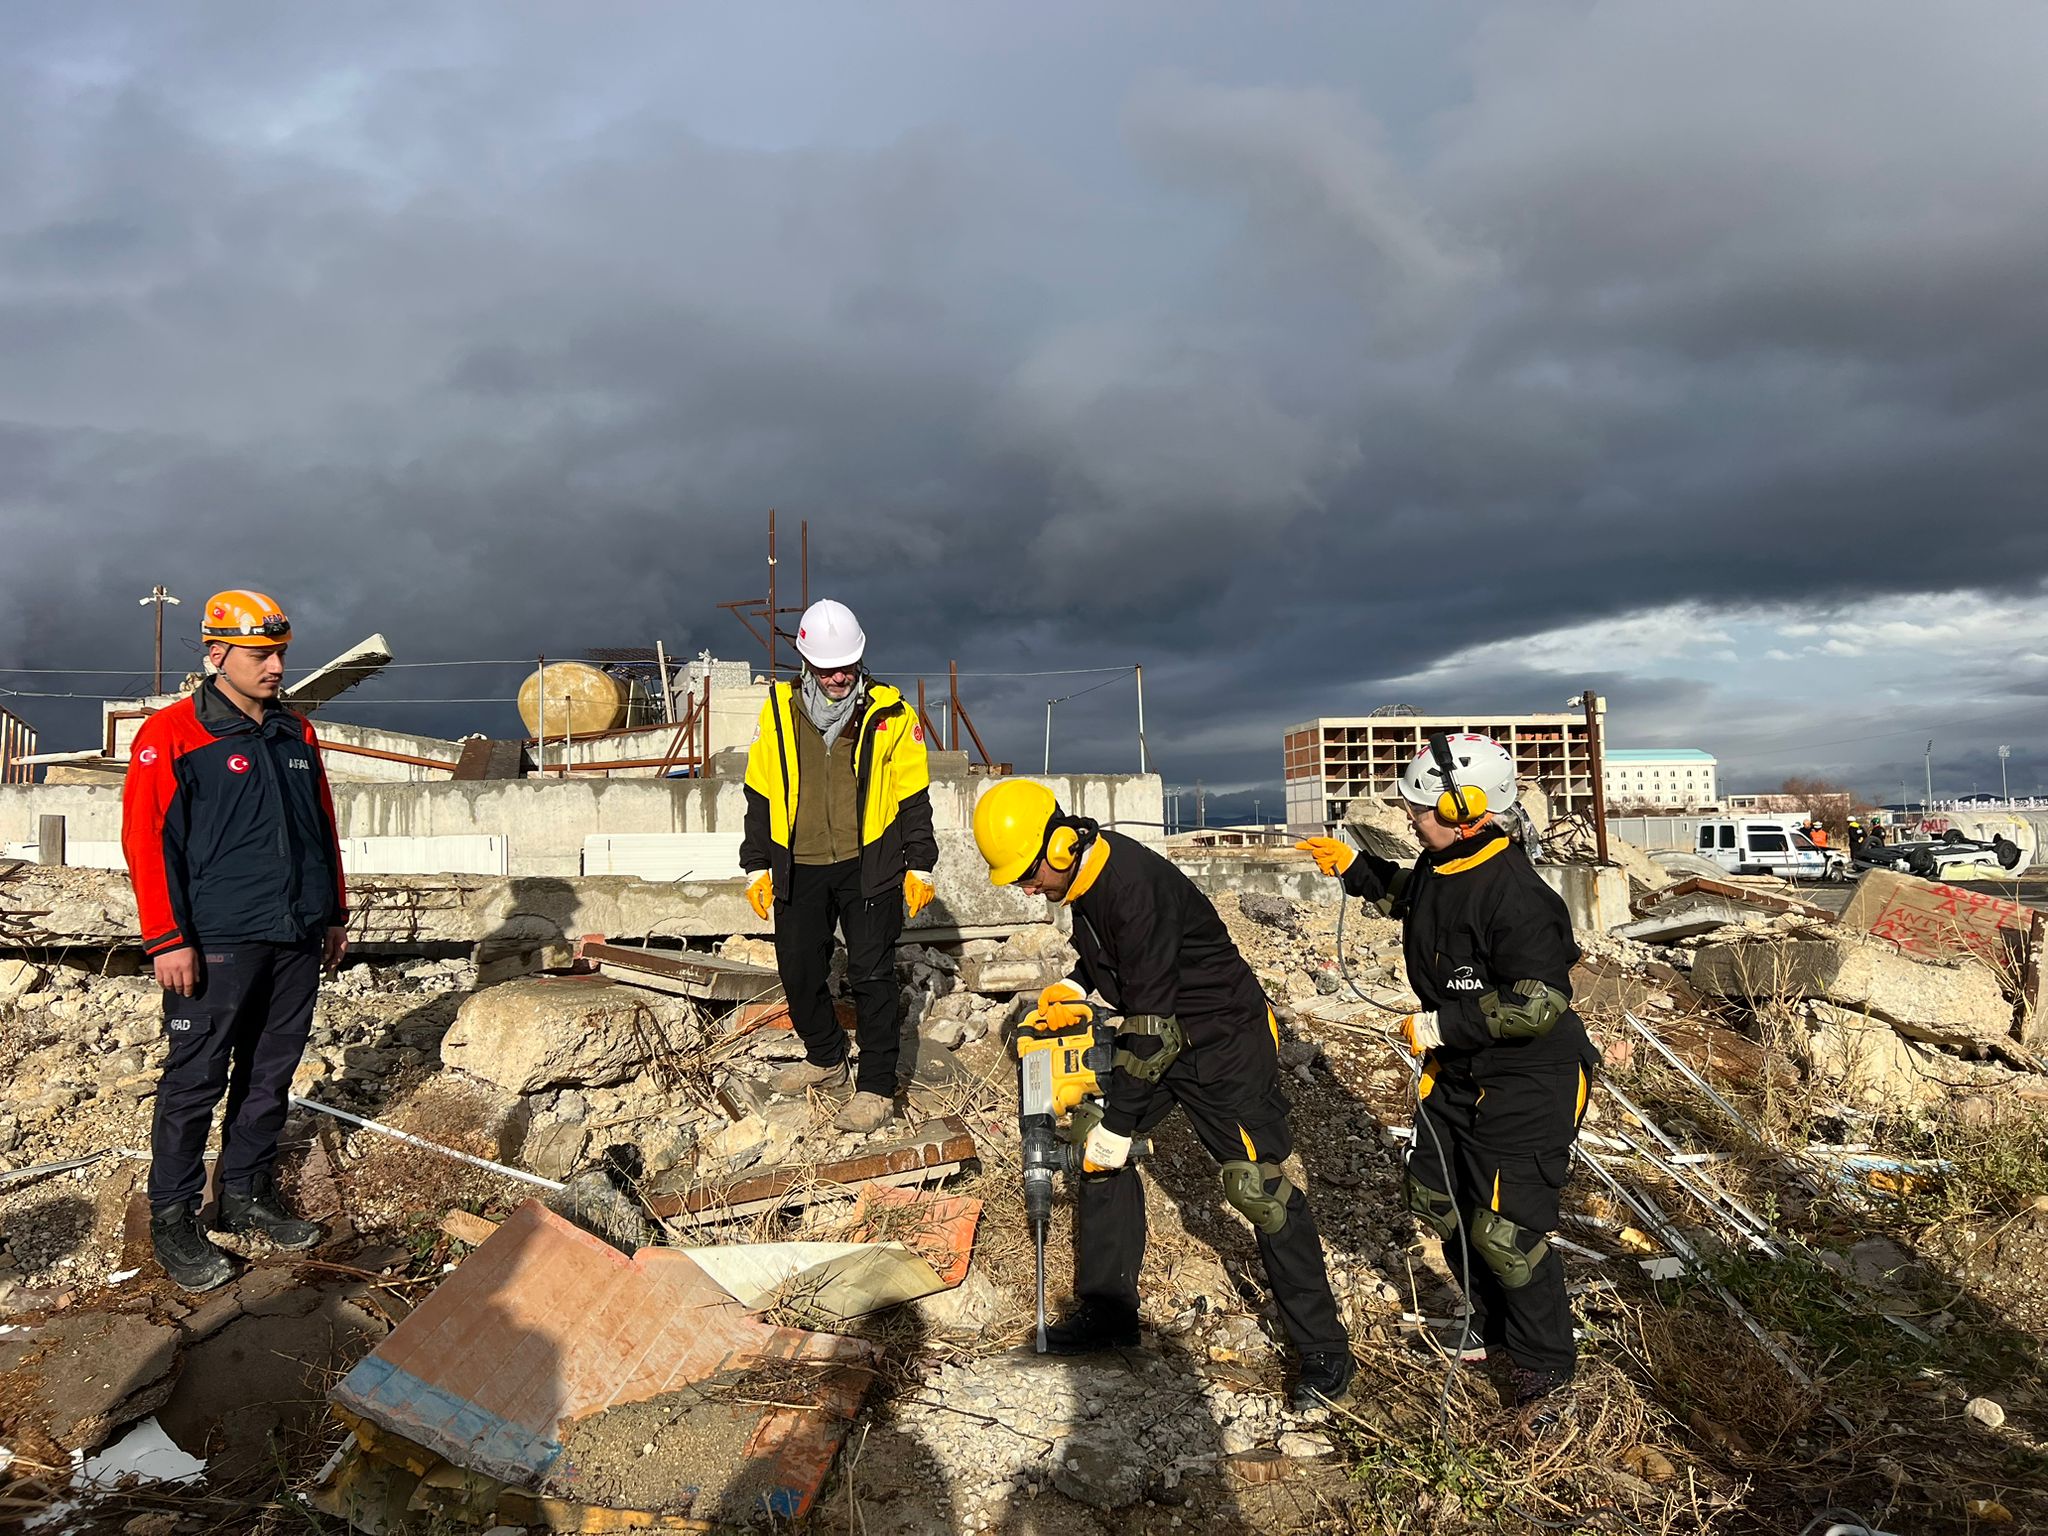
{"x": 828, "y": 714}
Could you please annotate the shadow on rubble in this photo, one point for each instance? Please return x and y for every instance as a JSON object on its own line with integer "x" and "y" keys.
{"x": 1030, "y": 1445}
{"x": 46, "y": 1229}
{"x": 376, "y": 1076}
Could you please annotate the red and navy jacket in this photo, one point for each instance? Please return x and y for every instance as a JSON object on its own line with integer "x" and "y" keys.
{"x": 228, "y": 826}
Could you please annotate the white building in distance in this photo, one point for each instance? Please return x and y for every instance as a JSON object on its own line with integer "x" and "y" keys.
{"x": 1659, "y": 778}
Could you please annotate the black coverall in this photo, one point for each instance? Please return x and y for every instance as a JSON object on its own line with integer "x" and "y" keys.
{"x": 1150, "y": 943}
{"x": 1476, "y": 919}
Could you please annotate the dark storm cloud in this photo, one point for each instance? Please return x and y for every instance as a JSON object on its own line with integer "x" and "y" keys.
{"x": 500, "y": 334}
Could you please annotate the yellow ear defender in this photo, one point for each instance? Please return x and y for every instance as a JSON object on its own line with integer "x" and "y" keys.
{"x": 1458, "y": 805}
{"x": 1062, "y": 846}
{"x": 1461, "y": 805}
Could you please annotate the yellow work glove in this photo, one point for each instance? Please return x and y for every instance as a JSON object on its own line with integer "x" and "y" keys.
{"x": 918, "y": 892}
{"x": 1421, "y": 1033}
{"x": 1061, "y": 992}
{"x": 1332, "y": 854}
{"x": 761, "y": 894}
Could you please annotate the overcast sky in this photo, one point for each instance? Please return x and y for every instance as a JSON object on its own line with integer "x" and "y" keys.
{"x": 1315, "y": 356}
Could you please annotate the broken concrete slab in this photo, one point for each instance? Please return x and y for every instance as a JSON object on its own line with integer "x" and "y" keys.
{"x": 1000, "y": 975}
{"x": 1948, "y": 1004}
{"x": 541, "y": 1032}
{"x": 719, "y": 978}
{"x": 544, "y": 1325}
{"x": 926, "y": 1153}
{"x": 77, "y": 1378}
{"x": 1932, "y": 921}
{"x": 1699, "y": 889}
{"x": 1871, "y": 1063}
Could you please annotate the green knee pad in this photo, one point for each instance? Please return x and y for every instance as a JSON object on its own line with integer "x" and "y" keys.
{"x": 1499, "y": 1243}
{"x": 1244, "y": 1186}
{"x": 1432, "y": 1207}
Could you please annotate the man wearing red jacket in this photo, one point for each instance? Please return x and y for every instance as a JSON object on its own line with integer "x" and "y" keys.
{"x": 229, "y": 832}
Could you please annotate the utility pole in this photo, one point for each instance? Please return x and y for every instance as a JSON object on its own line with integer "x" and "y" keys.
{"x": 159, "y": 595}
{"x": 1140, "y": 671}
{"x": 1048, "y": 735}
{"x": 2004, "y": 788}
{"x": 1201, "y": 806}
{"x": 1928, "y": 804}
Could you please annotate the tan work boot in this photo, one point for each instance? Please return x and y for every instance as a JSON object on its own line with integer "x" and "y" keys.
{"x": 800, "y": 1077}
{"x": 865, "y": 1112}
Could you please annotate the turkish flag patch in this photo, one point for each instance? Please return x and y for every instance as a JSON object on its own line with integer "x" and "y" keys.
{"x": 917, "y": 733}
{"x": 238, "y": 764}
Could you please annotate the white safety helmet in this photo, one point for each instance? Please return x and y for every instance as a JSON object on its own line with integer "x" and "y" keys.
{"x": 828, "y": 635}
{"x": 1482, "y": 769}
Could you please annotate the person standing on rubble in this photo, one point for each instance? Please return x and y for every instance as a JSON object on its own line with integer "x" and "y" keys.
{"x": 839, "y": 832}
{"x": 1506, "y": 1063}
{"x": 228, "y": 829}
{"x": 1202, "y": 1037}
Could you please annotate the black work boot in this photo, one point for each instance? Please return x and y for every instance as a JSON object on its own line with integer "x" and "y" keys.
{"x": 188, "y": 1258}
{"x": 1092, "y": 1326}
{"x": 1543, "y": 1400}
{"x": 257, "y": 1209}
{"x": 1325, "y": 1377}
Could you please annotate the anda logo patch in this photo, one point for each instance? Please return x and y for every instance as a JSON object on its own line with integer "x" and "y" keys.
{"x": 1464, "y": 979}
{"x": 300, "y": 762}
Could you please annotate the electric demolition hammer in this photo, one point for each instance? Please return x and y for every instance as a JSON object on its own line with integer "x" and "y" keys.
{"x": 1064, "y": 1058}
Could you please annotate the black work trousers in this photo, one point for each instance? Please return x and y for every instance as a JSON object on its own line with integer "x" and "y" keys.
{"x": 822, "y": 896}
{"x": 1109, "y": 1211}
{"x": 1504, "y": 1146}
{"x": 241, "y": 1033}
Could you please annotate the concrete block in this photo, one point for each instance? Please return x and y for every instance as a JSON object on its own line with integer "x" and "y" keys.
{"x": 1954, "y": 1004}
{"x": 1932, "y": 921}
{"x": 528, "y": 1035}
{"x": 1596, "y": 895}
{"x": 1001, "y": 975}
{"x": 18, "y": 978}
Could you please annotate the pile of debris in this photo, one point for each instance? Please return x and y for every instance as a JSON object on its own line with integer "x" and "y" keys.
{"x": 532, "y": 1181}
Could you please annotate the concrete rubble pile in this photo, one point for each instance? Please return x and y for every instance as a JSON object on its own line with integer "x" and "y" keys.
{"x": 618, "y": 1084}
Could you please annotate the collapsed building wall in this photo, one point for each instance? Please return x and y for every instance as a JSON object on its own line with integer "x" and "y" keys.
{"x": 545, "y": 822}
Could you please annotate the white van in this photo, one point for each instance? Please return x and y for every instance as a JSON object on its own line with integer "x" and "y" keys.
{"x": 1768, "y": 845}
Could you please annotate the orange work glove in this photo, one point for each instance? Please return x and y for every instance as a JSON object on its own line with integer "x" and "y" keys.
{"x": 761, "y": 894}
{"x": 1332, "y": 854}
{"x": 918, "y": 892}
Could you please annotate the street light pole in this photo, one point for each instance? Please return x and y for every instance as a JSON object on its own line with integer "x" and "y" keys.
{"x": 2004, "y": 788}
{"x": 1928, "y": 804}
{"x": 159, "y": 595}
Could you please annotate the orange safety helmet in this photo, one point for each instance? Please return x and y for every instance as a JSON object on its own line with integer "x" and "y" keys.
{"x": 243, "y": 617}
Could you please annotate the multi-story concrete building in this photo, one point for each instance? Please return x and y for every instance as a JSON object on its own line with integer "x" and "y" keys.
{"x": 1658, "y": 778}
{"x": 1328, "y": 763}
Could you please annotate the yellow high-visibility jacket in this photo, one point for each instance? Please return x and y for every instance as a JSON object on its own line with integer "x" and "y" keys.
{"x": 893, "y": 777}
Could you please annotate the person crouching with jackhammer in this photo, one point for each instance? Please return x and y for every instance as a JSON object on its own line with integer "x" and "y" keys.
{"x": 1506, "y": 1063}
{"x": 1201, "y": 1036}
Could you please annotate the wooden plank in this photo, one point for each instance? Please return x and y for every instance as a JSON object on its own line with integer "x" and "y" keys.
{"x": 466, "y": 1227}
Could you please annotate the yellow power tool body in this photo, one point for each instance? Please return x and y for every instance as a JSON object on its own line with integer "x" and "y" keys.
{"x": 1064, "y": 1059}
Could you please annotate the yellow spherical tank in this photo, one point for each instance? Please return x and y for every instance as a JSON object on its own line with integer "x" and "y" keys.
{"x": 581, "y": 700}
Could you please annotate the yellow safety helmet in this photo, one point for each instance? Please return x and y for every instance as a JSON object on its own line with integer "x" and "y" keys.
{"x": 243, "y": 617}
{"x": 1010, "y": 824}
